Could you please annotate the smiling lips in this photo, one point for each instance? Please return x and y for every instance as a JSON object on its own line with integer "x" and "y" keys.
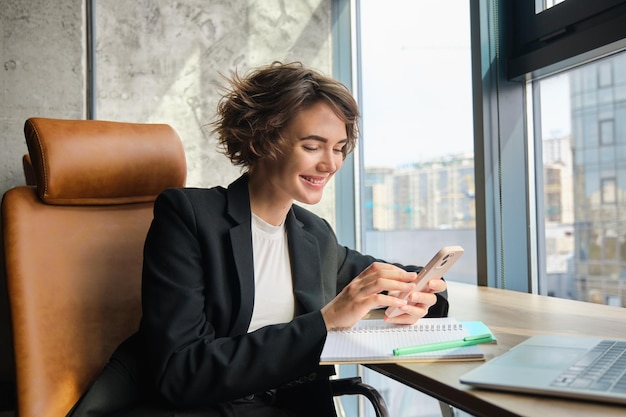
{"x": 317, "y": 181}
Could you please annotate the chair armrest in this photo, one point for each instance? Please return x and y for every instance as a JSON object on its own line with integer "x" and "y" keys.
{"x": 355, "y": 386}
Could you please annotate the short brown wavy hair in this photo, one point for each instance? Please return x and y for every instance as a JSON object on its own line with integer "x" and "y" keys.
{"x": 253, "y": 112}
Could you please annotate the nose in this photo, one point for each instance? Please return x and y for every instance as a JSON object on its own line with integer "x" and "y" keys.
{"x": 330, "y": 162}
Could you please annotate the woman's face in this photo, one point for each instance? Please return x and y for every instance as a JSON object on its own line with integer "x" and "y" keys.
{"x": 318, "y": 137}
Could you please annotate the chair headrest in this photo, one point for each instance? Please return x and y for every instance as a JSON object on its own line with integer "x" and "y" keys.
{"x": 94, "y": 162}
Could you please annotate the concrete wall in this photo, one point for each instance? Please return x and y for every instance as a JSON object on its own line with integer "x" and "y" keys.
{"x": 42, "y": 56}
{"x": 155, "y": 61}
{"x": 160, "y": 61}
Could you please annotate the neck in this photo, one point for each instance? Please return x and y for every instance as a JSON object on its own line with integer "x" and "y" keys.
{"x": 265, "y": 203}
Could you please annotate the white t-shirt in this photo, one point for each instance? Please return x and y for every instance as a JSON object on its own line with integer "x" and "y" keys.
{"x": 274, "y": 300}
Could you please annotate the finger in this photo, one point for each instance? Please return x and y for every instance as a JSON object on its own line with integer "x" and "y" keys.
{"x": 377, "y": 270}
{"x": 383, "y": 265}
{"x": 389, "y": 270}
{"x": 383, "y": 300}
{"x": 401, "y": 319}
{"x": 389, "y": 281}
{"x": 422, "y": 299}
{"x": 397, "y": 275}
{"x": 437, "y": 285}
{"x": 410, "y": 315}
{"x": 394, "y": 288}
{"x": 394, "y": 293}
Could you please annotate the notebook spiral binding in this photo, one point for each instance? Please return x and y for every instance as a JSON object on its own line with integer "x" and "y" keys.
{"x": 399, "y": 328}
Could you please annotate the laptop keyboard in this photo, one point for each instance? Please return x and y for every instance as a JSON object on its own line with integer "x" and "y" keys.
{"x": 601, "y": 369}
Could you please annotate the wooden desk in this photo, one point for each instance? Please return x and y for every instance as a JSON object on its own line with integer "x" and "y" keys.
{"x": 513, "y": 317}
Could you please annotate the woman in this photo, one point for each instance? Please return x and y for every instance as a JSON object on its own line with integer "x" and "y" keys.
{"x": 240, "y": 285}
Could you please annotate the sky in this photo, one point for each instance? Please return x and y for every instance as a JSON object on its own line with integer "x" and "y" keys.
{"x": 556, "y": 117}
{"x": 416, "y": 80}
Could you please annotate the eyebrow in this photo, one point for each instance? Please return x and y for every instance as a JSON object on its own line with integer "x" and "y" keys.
{"x": 323, "y": 139}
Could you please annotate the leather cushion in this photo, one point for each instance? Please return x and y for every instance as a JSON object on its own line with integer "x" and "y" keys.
{"x": 93, "y": 162}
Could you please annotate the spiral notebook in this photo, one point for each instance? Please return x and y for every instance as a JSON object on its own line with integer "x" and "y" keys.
{"x": 373, "y": 341}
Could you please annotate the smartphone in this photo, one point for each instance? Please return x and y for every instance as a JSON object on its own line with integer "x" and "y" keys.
{"x": 434, "y": 269}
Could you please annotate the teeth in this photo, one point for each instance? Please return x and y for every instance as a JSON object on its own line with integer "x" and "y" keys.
{"x": 314, "y": 181}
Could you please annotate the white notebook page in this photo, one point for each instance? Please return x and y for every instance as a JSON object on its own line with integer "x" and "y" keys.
{"x": 374, "y": 341}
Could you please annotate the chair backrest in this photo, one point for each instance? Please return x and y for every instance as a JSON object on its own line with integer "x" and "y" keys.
{"x": 29, "y": 174}
{"x": 73, "y": 249}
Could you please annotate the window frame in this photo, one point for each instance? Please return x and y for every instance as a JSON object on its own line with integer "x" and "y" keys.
{"x": 347, "y": 206}
{"x": 606, "y": 131}
{"x": 508, "y": 57}
{"x": 567, "y": 34}
{"x": 608, "y": 187}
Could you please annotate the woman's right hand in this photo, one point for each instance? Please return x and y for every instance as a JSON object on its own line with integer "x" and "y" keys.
{"x": 365, "y": 292}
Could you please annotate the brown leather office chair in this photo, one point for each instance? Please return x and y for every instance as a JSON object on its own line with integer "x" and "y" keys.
{"x": 73, "y": 251}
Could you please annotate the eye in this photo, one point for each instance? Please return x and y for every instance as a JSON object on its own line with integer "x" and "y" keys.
{"x": 310, "y": 147}
{"x": 341, "y": 148}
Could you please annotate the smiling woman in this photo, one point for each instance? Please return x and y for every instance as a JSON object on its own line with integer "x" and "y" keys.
{"x": 241, "y": 285}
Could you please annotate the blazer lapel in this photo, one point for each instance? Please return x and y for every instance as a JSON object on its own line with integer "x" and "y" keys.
{"x": 303, "y": 251}
{"x": 305, "y": 265}
{"x": 241, "y": 241}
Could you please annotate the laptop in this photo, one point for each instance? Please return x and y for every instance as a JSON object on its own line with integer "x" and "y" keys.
{"x": 562, "y": 366}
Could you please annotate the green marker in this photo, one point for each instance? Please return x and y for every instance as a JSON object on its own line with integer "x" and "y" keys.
{"x": 466, "y": 341}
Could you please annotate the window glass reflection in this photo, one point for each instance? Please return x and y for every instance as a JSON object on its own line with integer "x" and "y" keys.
{"x": 583, "y": 136}
{"x": 541, "y": 5}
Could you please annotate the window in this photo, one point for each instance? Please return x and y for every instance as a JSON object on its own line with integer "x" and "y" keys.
{"x": 417, "y": 166}
{"x": 546, "y": 172}
{"x": 605, "y": 74}
{"x": 609, "y": 191}
{"x": 417, "y": 133}
{"x": 583, "y": 182}
{"x": 606, "y": 132}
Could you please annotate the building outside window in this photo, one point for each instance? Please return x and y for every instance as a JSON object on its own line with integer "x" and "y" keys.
{"x": 585, "y": 110}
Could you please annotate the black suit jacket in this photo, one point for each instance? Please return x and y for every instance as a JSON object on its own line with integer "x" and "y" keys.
{"x": 198, "y": 295}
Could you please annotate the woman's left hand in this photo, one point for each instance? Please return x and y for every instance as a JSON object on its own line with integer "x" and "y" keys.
{"x": 418, "y": 303}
